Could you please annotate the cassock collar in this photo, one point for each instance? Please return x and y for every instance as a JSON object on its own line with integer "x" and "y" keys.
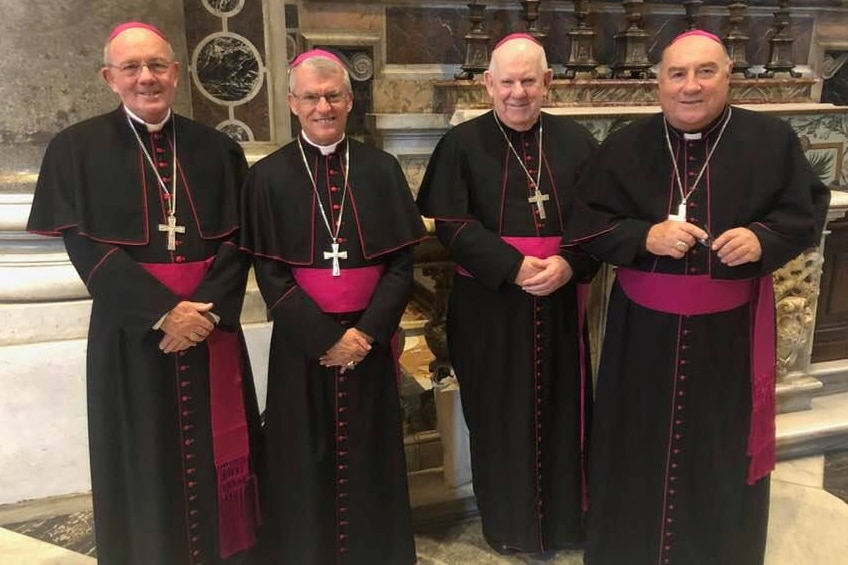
{"x": 514, "y": 132}
{"x": 150, "y": 127}
{"x": 710, "y": 129}
{"x": 324, "y": 149}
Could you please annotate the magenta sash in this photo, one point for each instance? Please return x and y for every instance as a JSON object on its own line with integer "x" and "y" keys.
{"x": 237, "y": 496}
{"x": 541, "y": 247}
{"x": 697, "y": 295}
{"x": 350, "y": 292}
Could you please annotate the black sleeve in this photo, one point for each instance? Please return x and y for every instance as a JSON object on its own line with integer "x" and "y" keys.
{"x": 133, "y": 297}
{"x": 797, "y": 216}
{"x": 294, "y": 312}
{"x": 480, "y": 251}
{"x": 224, "y": 284}
{"x": 382, "y": 317}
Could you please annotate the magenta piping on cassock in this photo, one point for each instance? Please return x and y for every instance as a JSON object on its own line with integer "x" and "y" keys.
{"x": 698, "y": 295}
{"x": 238, "y": 510}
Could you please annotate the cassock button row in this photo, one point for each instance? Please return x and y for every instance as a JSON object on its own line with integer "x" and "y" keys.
{"x": 334, "y": 188}
{"x": 336, "y": 206}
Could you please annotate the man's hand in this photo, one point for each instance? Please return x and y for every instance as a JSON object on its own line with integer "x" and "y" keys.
{"x": 172, "y": 344}
{"x": 351, "y": 348}
{"x": 555, "y": 272}
{"x": 185, "y": 324}
{"x": 673, "y": 238}
{"x": 530, "y": 266}
{"x": 738, "y": 246}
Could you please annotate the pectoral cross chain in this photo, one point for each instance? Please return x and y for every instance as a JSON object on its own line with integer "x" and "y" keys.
{"x": 539, "y": 200}
{"x": 172, "y": 228}
{"x": 335, "y": 255}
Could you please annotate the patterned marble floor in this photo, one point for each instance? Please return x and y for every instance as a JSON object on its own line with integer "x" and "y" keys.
{"x": 807, "y": 526}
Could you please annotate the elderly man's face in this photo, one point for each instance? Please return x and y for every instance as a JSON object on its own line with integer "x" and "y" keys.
{"x": 142, "y": 72}
{"x": 517, "y": 84}
{"x": 694, "y": 82}
{"x": 321, "y": 103}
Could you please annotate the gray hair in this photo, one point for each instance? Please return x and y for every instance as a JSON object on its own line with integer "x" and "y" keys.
{"x": 324, "y": 67}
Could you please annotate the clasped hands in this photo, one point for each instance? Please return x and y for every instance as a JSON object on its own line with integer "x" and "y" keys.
{"x": 185, "y": 326}
{"x": 540, "y": 277}
{"x": 351, "y": 348}
{"x": 674, "y": 238}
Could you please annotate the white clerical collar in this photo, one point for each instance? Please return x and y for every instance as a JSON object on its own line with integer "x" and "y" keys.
{"x": 324, "y": 149}
{"x": 150, "y": 127}
{"x": 692, "y": 136}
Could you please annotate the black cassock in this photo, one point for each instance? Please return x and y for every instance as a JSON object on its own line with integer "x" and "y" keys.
{"x": 668, "y": 473}
{"x": 153, "y": 474}
{"x": 521, "y": 361}
{"x": 338, "y": 492}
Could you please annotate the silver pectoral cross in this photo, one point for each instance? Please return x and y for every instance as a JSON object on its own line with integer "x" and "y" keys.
{"x": 335, "y": 255}
{"x": 172, "y": 228}
{"x": 539, "y": 200}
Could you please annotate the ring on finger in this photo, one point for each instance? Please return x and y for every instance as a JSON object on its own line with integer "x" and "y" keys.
{"x": 681, "y": 245}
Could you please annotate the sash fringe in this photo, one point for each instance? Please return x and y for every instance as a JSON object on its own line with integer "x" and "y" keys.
{"x": 238, "y": 507}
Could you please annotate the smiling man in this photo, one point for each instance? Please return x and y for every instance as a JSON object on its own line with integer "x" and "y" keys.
{"x": 331, "y": 223}
{"x": 500, "y": 187}
{"x": 147, "y": 204}
{"x": 683, "y": 439}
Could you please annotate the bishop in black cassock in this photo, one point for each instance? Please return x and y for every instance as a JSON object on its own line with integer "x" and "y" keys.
{"x": 331, "y": 223}
{"x": 521, "y": 359}
{"x": 173, "y": 436}
{"x": 683, "y": 436}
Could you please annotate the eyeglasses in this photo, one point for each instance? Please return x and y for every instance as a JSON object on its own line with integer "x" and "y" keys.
{"x": 312, "y": 99}
{"x": 133, "y": 68}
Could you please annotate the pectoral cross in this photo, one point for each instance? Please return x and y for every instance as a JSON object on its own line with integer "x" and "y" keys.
{"x": 172, "y": 228}
{"x": 335, "y": 255}
{"x": 539, "y": 200}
